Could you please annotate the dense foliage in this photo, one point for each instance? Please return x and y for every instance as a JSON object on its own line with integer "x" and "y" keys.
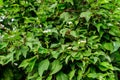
{"x": 59, "y": 39}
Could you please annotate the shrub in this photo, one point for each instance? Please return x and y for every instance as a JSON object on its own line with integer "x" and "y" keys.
{"x": 59, "y": 39}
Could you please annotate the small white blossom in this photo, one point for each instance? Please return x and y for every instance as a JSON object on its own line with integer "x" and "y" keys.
{"x": 14, "y": 28}
{"x": 2, "y": 26}
{"x": 1, "y": 20}
{"x": 69, "y": 48}
{"x": 46, "y": 31}
{"x": 70, "y": 22}
{"x": 40, "y": 25}
{"x": 82, "y": 41}
{"x": 12, "y": 19}
{"x": 3, "y": 17}
{"x": 15, "y": 64}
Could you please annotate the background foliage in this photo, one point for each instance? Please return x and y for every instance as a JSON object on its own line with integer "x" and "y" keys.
{"x": 59, "y": 39}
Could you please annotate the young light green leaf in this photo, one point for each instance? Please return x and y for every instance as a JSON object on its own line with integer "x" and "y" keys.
{"x": 61, "y": 76}
{"x": 31, "y": 65}
{"x": 67, "y": 59}
{"x": 24, "y": 64}
{"x": 54, "y": 45}
{"x": 55, "y": 54}
{"x": 65, "y": 16}
{"x": 39, "y": 78}
{"x": 42, "y": 66}
{"x": 28, "y": 62}
{"x": 108, "y": 46}
{"x": 56, "y": 66}
{"x": 24, "y": 50}
{"x": 92, "y": 75}
{"x": 42, "y": 50}
{"x": 63, "y": 31}
{"x": 87, "y": 15}
{"x": 116, "y": 46}
{"x": 98, "y": 26}
{"x": 73, "y": 33}
{"x": 104, "y": 1}
{"x": 3, "y": 45}
{"x": 30, "y": 77}
{"x": 71, "y": 74}
{"x": 79, "y": 77}
{"x": 49, "y": 77}
{"x": 29, "y": 44}
{"x": 104, "y": 66}
{"x": 1, "y": 3}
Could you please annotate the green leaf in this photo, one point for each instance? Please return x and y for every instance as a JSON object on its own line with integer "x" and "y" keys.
{"x": 87, "y": 53}
{"x": 54, "y": 45}
{"x": 31, "y": 65}
{"x": 29, "y": 44}
{"x": 56, "y": 66}
{"x": 79, "y": 77}
{"x": 28, "y": 63}
{"x": 65, "y": 16}
{"x": 33, "y": 76}
{"x": 96, "y": 75}
{"x": 87, "y": 15}
{"x": 49, "y": 77}
{"x": 104, "y": 1}
{"x": 71, "y": 74}
{"x": 1, "y": 3}
{"x": 9, "y": 58}
{"x": 104, "y": 66}
{"x": 74, "y": 33}
{"x": 55, "y": 54}
{"x": 67, "y": 59}
{"x": 2, "y": 58}
{"x": 43, "y": 50}
{"x": 108, "y": 46}
{"x": 116, "y": 46}
{"x": 24, "y": 64}
{"x": 42, "y": 66}
{"x": 92, "y": 75}
{"x": 114, "y": 31}
{"x": 39, "y": 78}
{"x": 98, "y": 26}
{"x": 3, "y": 45}
{"x": 61, "y": 76}
{"x": 63, "y": 31}
{"x": 70, "y": 1}
{"x": 24, "y": 50}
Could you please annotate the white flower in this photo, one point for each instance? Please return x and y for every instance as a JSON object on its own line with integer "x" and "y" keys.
{"x": 70, "y": 22}
{"x": 14, "y": 28}
{"x": 46, "y": 31}
{"x": 1, "y": 20}
{"x": 69, "y": 48}
{"x": 15, "y": 64}
{"x": 12, "y": 19}
{"x": 82, "y": 41}
{"x": 3, "y": 17}
{"x": 2, "y": 26}
{"x": 40, "y": 25}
